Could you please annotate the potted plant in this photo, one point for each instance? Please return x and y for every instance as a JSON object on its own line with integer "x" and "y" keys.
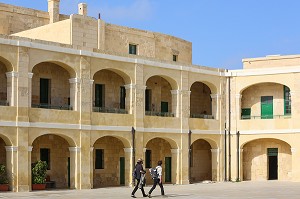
{"x": 39, "y": 171}
{"x": 3, "y": 178}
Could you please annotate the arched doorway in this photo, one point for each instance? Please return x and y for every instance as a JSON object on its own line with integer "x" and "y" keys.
{"x": 109, "y": 162}
{"x": 3, "y": 85}
{"x": 267, "y": 159}
{"x": 201, "y": 161}
{"x": 160, "y": 149}
{"x": 201, "y": 102}
{"x": 2, "y": 152}
{"x": 50, "y": 86}
{"x": 158, "y": 97}
{"x": 55, "y": 151}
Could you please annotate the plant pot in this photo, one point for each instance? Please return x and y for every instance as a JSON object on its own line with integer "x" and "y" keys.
{"x": 38, "y": 186}
{"x": 4, "y": 187}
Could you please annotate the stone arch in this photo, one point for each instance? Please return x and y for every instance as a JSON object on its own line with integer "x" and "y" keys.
{"x": 5, "y": 67}
{"x": 213, "y": 88}
{"x": 55, "y": 150}
{"x": 256, "y": 162}
{"x": 200, "y": 94}
{"x": 69, "y": 139}
{"x": 251, "y": 99}
{"x": 8, "y": 65}
{"x": 109, "y": 167}
{"x": 6, "y": 140}
{"x": 70, "y": 69}
{"x": 201, "y": 161}
{"x": 173, "y": 83}
{"x": 125, "y": 141}
{"x": 127, "y": 79}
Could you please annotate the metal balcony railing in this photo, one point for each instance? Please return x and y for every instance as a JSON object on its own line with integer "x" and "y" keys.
{"x": 50, "y": 106}
{"x": 109, "y": 110}
{"x": 202, "y": 116}
{"x": 161, "y": 114}
{"x": 4, "y": 103}
{"x": 250, "y": 117}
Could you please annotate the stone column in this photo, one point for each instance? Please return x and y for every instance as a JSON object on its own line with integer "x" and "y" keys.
{"x": 74, "y": 167}
{"x": 11, "y": 166}
{"x": 185, "y": 105}
{"x": 30, "y": 89}
{"x": 92, "y": 167}
{"x": 238, "y": 108}
{"x": 12, "y": 88}
{"x": 215, "y": 170}
{"x": 175, "y": 166}
{"x": 29, "y": 167}
{"x": 92, "y": 94}
{"x": 175, "y": 102}
{"x": 129, "y": 100}
{"x": 139, "y": 105}
{"x": 85, "y": 166}
{"x": 128, "y": 166}
{"x": 215, "y": 105}
{"x": 241, "y": 164}
{"x": 74, "y": 93}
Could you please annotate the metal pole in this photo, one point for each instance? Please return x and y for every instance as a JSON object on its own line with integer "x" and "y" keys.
{"x": 190, "y": 155}
{"x": 225, "y": 153}
{"x": 133, "y": 152}
{"x": 238, "y": 154}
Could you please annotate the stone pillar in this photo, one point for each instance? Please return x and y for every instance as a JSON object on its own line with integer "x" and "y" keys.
{"x": 215, "y": 170}
{"x": 74, "y": 167}
{"x": 128, "y": 166}
{"x": 11, "y": 166}
{"x": 215, "y": 105}
{"x": 12, "y": 88}
{"x": 175, "y": 102}
{"x": 295, "y": 165}
{"x": 129, "y": 100}
{"x": 92, "y": 167}
{"x": 185, "y": 107}
{"x": 238, "y": 108}
{"x": 53, "y": 9}
{"x": 139, "y": 105}
{"x": 92, "y": 94}
{"x": 29, "y": 167}
{"x": 241, "y": 164}
{"x": 175, "y": 166}
{"x": 74, "y": 93}
{"x": 30, "y": 89}
{"x": 85, "y": 166}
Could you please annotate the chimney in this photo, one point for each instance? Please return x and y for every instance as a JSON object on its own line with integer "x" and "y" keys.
{"x": 82, "y": 9}
{"x": 53, "y": 9}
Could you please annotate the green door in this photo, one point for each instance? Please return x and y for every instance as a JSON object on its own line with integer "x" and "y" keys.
{"x": 246, "y": 113}
{"x": 122, "y": 170}
{"x": 168, "y": 169}
{"x": 164, "y": 107}
{"x": 266, "y": 107}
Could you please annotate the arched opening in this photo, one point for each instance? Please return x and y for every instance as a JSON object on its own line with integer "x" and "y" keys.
{"x": 201, "y": 102}
{"x": 201, "y": 161}
{"x": 50, "y": 86}
{"x": 3, "y": 85}
{"x": 2, "y": 152}
{"x": 158, "y": 97}
{"x": 267, "y": 159}
{"x": 109, "y": 162}
{"x": 55, "y": 151}
{"x": 160, "y": 149}
{"x": 109, "y": 93}
{"x": 266, "y": 101}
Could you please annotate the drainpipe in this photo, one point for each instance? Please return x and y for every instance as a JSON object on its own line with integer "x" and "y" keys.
{"x": 133, "y": 152}
{"x": 238, "y": 154}
{"x": 229, "y": 130}
{"x": 190, "y": 154}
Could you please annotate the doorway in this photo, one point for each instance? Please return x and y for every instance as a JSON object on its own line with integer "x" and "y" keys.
{"x": 272, "y": 163}
{"x": 168, "y": 166}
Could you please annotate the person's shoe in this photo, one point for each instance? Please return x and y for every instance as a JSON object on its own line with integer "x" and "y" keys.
{"x": 133, "y": 196}
{"x": 149, "y": 196}
{"x": 145, "y": 195}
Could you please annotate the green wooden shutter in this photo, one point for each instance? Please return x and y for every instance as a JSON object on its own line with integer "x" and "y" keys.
{"x": 266, "y": 107}
{"x": 168, "y": 169}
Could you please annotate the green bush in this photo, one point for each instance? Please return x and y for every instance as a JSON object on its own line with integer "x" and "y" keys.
{"x": 39, "y": 172}
{"x": 3, "y": 175}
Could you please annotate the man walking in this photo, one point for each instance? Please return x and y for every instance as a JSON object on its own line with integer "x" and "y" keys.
{"x": 138, "y": 171}
{"x": 158, "y": 180}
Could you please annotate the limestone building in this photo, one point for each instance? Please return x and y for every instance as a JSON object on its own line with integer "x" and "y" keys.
{"x": 90, "y": 98}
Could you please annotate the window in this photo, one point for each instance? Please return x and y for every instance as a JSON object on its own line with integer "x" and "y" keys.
{"x": 148, "y": 100}
{"x": 99, "y": 162}
{"x": 246, "y": 113}
{"x": 45, "y": 156}
{"x": 287, "y": 101}
{"x": 175, "y": 57}
{"x": 164, "y": 107}
{"x": 99, "y": 95}
{"x": 148, "y": 158}
{"x": 122, "y": 97}
{"x": 132, "y": 49}
{"x": 45, "y": 91}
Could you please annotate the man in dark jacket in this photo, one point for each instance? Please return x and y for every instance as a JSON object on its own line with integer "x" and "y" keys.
{"x": 139, "y": 170}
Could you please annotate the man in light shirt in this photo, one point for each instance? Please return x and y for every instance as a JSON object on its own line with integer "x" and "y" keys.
{"x": 158, "y": 180}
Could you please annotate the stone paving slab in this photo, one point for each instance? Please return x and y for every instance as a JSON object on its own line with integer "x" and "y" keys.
{"x": 222, "y": 190}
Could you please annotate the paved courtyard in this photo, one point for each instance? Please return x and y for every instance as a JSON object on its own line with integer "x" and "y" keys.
{"x": 241, "y": 190}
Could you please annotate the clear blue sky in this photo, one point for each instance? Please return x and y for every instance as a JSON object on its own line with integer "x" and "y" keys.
{"x": 223, "y": 32}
